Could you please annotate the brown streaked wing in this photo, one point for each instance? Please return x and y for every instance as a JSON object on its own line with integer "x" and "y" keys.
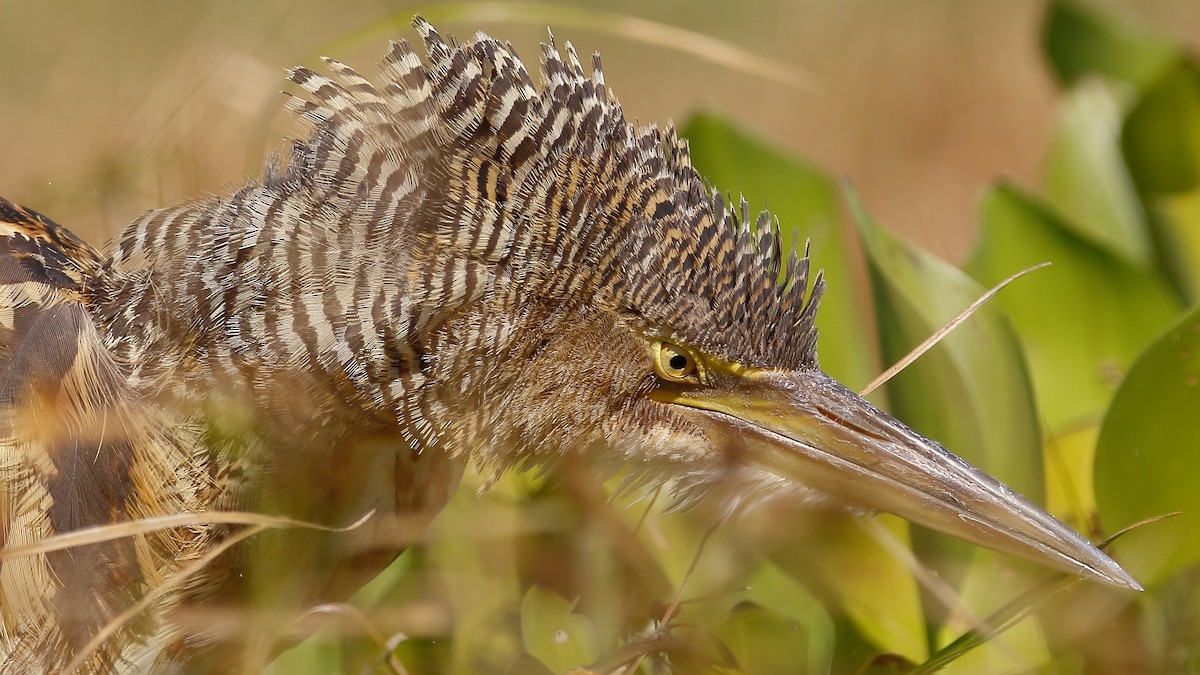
{"x": 74, "y": 452}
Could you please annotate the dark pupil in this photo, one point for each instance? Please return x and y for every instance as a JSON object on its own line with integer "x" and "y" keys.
{"x": 678, "y": 362}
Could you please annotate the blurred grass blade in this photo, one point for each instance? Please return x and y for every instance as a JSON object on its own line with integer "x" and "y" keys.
{"x": 1000, "y": 621}
{"x": 1013, "y": 643}
{"x": 177, "y": 580}
{"x": 102, "y": 533}
{"x": 804, "y": 199}
{"x": 1017, "y": 610}
{"x": 361, "y": 622}
{"x": 695, "y": 45}
{"x": 1147, "y": 462}
{"x": 1079, "y": 40}
{"x": 1024, "y": 606}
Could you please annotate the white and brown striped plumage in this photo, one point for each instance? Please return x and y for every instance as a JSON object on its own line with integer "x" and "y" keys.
{"x": 428, "y": 279}
{"x": 456, "y": 265}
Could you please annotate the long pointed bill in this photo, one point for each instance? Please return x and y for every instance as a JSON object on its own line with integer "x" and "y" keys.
{"x": 806, "y": 427}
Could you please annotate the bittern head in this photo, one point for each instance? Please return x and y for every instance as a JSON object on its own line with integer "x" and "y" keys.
{"x": 611, "y": 306}
{"x": 710, "y": 383}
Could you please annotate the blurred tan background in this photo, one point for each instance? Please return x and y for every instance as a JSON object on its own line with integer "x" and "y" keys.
{"x": 109, "y": 109}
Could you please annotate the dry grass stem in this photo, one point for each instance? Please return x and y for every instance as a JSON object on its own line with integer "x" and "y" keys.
{"x": 942, "y": 332}
{"x": 103, "y": 533}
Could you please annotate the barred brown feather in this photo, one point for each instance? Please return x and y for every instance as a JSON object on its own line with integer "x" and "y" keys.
{"x": 337, "y": 338}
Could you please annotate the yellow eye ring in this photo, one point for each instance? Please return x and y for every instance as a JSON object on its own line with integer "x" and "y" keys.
{"x": 675, "y": 363}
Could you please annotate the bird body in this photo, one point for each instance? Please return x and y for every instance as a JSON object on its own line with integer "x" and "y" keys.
{"x": 455, "y": 266}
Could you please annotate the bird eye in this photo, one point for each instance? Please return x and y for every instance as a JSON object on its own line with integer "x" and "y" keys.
{"x": 674, "y": 363}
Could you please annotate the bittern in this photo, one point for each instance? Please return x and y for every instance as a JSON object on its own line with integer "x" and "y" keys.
{"x": 456, "y": 266}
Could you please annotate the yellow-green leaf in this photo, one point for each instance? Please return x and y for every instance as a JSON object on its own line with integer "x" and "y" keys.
{"x": 1085, "y": 177}
{"x": 1161, "y": 138}
{"x": 1080, "y": 41}
{"x": 1083, "y": 320}
{"x": 1148, "y": 456}
{"x": 857, "y": 576}
{"x": 553, "y": 634}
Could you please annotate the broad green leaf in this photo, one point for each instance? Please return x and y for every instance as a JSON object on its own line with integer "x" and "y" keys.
{"x": 803, "y": 198}
{"x": 856, "y": 575}
{"x": 553, "y": 634}
{"x": 1082, "y": 320}
{"x": 525, "y": 664}
{"x": 1148, "y": 456}
{"x": 764, "y": 641}
{"x": 814, "y": 636}
{"x": 777, "y": 626}
{"x": 1161, "y": 143}
{"x": 1085, "y": 177}
{"x": 1161, "y": 138}
{"x": 971, "y": 391}
{"x": 1080, "y": 41}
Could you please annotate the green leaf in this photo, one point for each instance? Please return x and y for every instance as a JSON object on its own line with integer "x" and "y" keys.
{"x": 1085, "y": 177}
{"x": 764, "y": 641}
{"x": 1083, "y": 320}
{"x": 971, "y": 391}
{"x": 1147, "y": 459}
{"x": 1161, "y": 143}
{"x": 1161, "y": 138}
{"x": 553, "y": 634}
{"x": 854, "y": 572}
{"x": 1079, "y": 41}
{"x": 1070, "y": 460}
{"x": 804, "y": 198}
{"x": 794, "y": 609}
